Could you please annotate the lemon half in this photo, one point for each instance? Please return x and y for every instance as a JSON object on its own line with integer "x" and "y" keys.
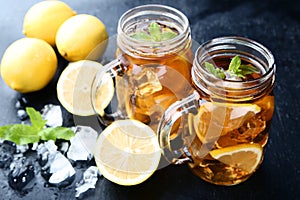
{"x": 127, "y": 152}
{"x": 74, "y": 88}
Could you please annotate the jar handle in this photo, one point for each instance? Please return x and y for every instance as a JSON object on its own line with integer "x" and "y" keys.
{"x": 187, "y": 105}
{"x": 117, "y": 67}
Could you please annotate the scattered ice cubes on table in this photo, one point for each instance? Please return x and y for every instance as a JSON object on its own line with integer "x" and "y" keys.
{"x": 7, "y": 149}
{"x": 22, "y": 115}
{"x": 21, "y": 172}
{"x": 56, "y": 168}
{"x": 22, "y": 148}
{"x": 21, "y": 105}
{"x": 89, "y": 180}
{"x": 53, "y": 115}
{"x": 34, "y": 146}
{"x": 61, "y": 169}
{"x": 63, "y": 147}
{"x": 82, "y": 144}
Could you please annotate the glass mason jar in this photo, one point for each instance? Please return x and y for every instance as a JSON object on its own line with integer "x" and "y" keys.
{"x": 225, "y": 122}
{"x": 150, "y": 73}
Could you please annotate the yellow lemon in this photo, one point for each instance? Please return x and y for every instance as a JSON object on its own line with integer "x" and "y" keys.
{"x": 74, "y": 88}
{"x": 81, "y": 37}
{"x": 28, "y": 65}
{"x": 244, "y": 156}
{"x": 43, "y": 19}
{"x": 127, "y": 152}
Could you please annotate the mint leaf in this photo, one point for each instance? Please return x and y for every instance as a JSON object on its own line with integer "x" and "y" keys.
{"x": 235, "y": 69}
{"x": 217, "y": 72}
{"x": 142, "y": 36}
{"x": 35, "y": 118}
{"x": 234, "y": 66}
{"x": 167, "y": 35}
{"x": 155, "y": 32}
{"x": 19, "y": 134}
{"x": 56, "y": 133}
{"x": 26, "y": 134}
{"x": 248, "y": 69}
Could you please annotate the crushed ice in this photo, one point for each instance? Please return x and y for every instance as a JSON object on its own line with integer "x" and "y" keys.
{"x": 89, "y": 180}
{"x": 53, "y": 115}
{"x": 82, "y": 144}
{"x": 54, "y": 164}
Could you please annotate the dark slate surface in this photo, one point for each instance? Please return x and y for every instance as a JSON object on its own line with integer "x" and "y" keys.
{"x": 276, "y": 24}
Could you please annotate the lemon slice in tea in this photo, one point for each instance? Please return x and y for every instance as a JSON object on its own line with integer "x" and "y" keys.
{"x": 216, "y": 119}
{"x": 243, "y": 156}
{"x": 127, "y": 152}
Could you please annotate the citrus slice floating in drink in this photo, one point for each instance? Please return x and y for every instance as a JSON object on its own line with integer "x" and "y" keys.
{"x": 75, "y": 84}
{"x": 216, "y": 119}
{"x": 244, "y": 156}
{"x": 127, "y": 152}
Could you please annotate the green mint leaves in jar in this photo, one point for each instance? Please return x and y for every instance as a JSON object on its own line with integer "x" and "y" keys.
{"x": 155, "y": 33}
{"x": 236, "y": 70}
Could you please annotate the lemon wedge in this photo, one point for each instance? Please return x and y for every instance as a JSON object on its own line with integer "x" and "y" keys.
{"x": 244, "y": 156}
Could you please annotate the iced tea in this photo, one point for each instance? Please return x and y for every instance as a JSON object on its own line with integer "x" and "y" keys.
{"x": 219, "y": 125}
{"x": 225, "y": 122}
{"x": 155, "y": 77}
{"x": 152, "y": 66}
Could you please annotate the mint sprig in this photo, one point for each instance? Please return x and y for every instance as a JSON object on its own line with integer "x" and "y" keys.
{"x": 27, "y": 134}
{"x": 217, "y": 72}
{"x": 235, "y": 69}
{"x": 156, "y": 34}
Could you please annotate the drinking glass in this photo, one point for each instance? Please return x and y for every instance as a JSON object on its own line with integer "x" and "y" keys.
{"x": 224, "y": 123}
{"x": 149, "y": 73}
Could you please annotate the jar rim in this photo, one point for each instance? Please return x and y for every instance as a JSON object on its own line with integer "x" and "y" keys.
{"x": 150, "y": 9}
{"x": 240, "y": 40}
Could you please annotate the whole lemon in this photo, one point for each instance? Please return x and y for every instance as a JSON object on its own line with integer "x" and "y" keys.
{"x": 43, "y": 19}
{"x": 81, "y": 37}
{"x": 28, "y": 65}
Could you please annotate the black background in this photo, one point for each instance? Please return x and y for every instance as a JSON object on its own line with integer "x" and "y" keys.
{"x": 275, "y": 24}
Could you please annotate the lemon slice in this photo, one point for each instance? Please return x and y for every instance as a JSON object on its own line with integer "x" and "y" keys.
{"x": 75, "y": 84}
{"x": 216, "y": 119}
{"x": 104, "y": 94}
{"x": 127, "y": 152}
{"x": 244, "y": 156}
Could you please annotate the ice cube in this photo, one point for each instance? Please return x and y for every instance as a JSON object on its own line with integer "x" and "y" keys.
{"x": 21, "y": 172}
{"x": 53, "y": 115}
{"x": 82, "y": 144}
{"x": 231, "y": 77}
{"x": 89, "y": 180}
{"x": 56, "y": 168}
{"x": 60, "y": 168}
{"x": 22, "y": 148}
{"x": 63, "y": 147}
{"x": 34, "y": 146}
{"x": 5, "y": 158}
{"x": 146, "y": 81}
{"x": 22, "y": 103}
{"x": 22, "y": 114}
